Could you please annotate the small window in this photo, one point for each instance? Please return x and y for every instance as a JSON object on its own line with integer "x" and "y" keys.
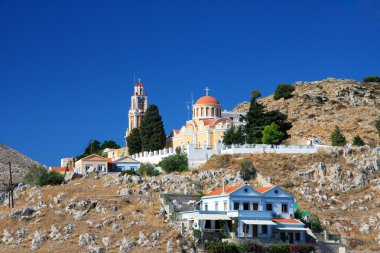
{"x": 245, "y": 206}
{"x": 284, "y": 208}
{"x": 264, "y": 229}
{"x": 298, "y": 236}
{"x": 225, "y": 206}
{"x": 245, "y": 190}
{"x": 269, "y": 207}
{"x": 206, "y": 207}
{"x": 217, "y": 224}
{"x": 208, "y": 224}
{"x": 216, "y": 206}
{"x": 236, "y": 205}
{"x": 255, "y": 206}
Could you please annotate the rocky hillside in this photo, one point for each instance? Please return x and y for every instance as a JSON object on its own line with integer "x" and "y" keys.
{"x": 20, "y": 165}
{"x": 317, "y": 107}
{"x": 101, "y": 213}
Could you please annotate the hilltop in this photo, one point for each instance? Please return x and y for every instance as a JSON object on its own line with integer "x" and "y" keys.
{"x": 317, "y": 107}
{"x": 20, "y": 165}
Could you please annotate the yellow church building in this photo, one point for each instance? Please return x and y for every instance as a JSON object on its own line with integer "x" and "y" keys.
{"x": 206, "y": 128}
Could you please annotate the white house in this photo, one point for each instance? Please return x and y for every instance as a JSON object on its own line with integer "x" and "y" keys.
{"x": 246, "y": 212}
{"x": 126, "y": 163}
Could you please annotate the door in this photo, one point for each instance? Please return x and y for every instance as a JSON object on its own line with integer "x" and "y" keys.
{"x": 290, "y": 234}
{"x": 254, "y": 230}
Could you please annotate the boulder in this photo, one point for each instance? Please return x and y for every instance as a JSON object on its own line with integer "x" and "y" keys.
{"x": 106, "y": 242}
{"x": 365, "y": 229}
{"x": 86, "y": 240}
{"x": 142, "y": 241}
{"x": 125, "y": 192}
{"x": 170, "y": 246}
{"x": 126, "y": 245}
{"x": 38, "y": 239}
{"x": 7, "y": 237}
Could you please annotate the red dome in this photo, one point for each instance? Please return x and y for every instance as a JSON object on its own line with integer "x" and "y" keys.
{"x": 139, "y": 85}
{"x": 207, "y": 100}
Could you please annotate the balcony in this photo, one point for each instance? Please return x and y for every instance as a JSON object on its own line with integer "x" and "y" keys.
{"x": 250, "y": 214}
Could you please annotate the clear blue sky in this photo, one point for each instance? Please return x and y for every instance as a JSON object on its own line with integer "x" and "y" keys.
{"x": 67, "y": 67}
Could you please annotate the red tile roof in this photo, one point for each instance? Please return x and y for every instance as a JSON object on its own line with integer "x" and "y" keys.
{"x": 286, "y": 220}
{"x": 227, "y": 190}
{"x": 263, "y": 189}
{"x": 176, "y": 131}
{"x": 62, "y": 168}
{"x": 207, "y": 100}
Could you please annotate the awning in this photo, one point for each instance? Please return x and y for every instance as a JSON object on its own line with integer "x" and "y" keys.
{"x": 259, "y": 222}
{"x": 202, "y": 216}
{"x": 290, "y": 228}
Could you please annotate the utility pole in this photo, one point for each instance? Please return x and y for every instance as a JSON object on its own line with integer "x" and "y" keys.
{"x": 10, "y": 193}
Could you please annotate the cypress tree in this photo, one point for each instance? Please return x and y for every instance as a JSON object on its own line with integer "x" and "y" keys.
{"x": 337, "y": 138}
{"x": 255, "y": 119}
{"x": 152, "y": 130}
{"x": 134, "y": 142}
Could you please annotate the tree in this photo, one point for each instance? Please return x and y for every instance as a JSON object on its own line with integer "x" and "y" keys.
{"x": 272, "y": 134}
{"x": 229, "y": 136}
{"x": 377, "y": 125}
{"x": 337, "y": 138}
{"x": 38, "y": 175}
{"x": 176, "y": 162}
{"x": 93, "y": 147}
{"x": 255, "y": 119}
{"x": 109, "y": 144}
{"x": 239, "y": 137}
{"x": 247, "y": 170}
{"x": 370, "y": 79}
{"x": 152, "y": 130}
{"x": 275, "y": 116}
{"x": 283, "y": 91}
{"x": 357, "y": 141}
{"x": 134, "y": 142}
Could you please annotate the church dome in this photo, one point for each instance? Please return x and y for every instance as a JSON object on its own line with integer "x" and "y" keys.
{"x": 207, "y": 100}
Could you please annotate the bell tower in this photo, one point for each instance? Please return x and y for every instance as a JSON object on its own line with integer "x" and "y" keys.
{"x": 139, "y": 104}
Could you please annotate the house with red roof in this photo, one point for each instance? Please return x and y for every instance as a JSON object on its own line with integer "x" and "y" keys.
{"x": 263, "y": 213}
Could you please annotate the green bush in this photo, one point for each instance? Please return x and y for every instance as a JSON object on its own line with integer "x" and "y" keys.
{"x": 279, "y": 248}
{"x": 225, "y": 247}
{"x": 247, "y": 170}
{"x": 148, "y": 170}
{"x": 370, "y": 79}
{"x": 176, "y": 162}
{"x": 283, "y": 91}
{"x": 357, "y": 141}
{"x": 38, "y": 175}
{"x": 316, "y": 225}
{"x": 128, "y": 172}
{"x": 272, "y": 134}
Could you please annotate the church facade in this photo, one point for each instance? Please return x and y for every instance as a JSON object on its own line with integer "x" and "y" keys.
{"x": 206, "y": 128}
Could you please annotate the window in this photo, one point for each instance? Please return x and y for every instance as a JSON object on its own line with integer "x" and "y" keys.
{"x": 264, "y": 229}
{"x": 298, "y": 236}
{"x": 245, "y": 206}
{"x": 255, "y": 206}
{"x": 216, "y": 206}
{"x": 236, "y": 205}
{"x": 269, "y": 207}
{"x": 206, "y": 111}
{"x": 208, "y": 224}
{"x": 218, "y": 224}
{"x": 225, "y": 206}
{"x": 100, "y": 168}
{"x": 284, "y": 208}
{"x": 212, "y": 111}
{"x": 245, "y": 229}
{"x": 87, "y": 167}
{"x": 206, "y": 207}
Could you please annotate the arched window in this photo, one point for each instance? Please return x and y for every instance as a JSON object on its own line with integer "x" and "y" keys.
{"x": 206, "y": 111}
{"x": 202, "y": 112}
{"x": 197, "y": 112}
{"x": 212, "y": 111}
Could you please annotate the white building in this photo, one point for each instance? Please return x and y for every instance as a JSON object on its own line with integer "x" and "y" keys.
{"x": 246, "y": 212}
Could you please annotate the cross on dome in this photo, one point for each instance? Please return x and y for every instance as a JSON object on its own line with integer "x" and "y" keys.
{"x": 207, "y": 90}
{"x": 139, "y": 80}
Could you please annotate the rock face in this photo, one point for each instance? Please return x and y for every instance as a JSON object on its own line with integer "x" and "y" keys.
{"x": 20, "y": 165}
{"x": 317, "y": 107}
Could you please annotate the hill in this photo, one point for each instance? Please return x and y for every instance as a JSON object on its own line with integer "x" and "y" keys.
{"x": 20, "y": 165}
{"x": 317, "y": 107}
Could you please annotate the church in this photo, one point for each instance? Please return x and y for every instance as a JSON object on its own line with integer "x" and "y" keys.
{"x": 207, "y": 126}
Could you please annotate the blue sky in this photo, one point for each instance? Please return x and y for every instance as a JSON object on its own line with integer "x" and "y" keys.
{"x": 67, "y": 67}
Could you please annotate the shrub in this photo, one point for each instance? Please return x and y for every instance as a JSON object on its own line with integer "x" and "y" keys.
{"x": 147, "y": 170}
{"x": 279, "y": 248}
{"x": 272, "y": 134}
{"x": 302, "y": 248}
{"x": 370, "y": 79}
{"x": 283, "y": 91}
{"x": 224, "y": 247}
{"x": 357, "y": 141}
{"x": 176, "y": 162}
{"x": 316, "y": 225}
{"x": 337, "y": 138}
{"x": 247, "y": 170}
{"x": 38, "y": 175}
